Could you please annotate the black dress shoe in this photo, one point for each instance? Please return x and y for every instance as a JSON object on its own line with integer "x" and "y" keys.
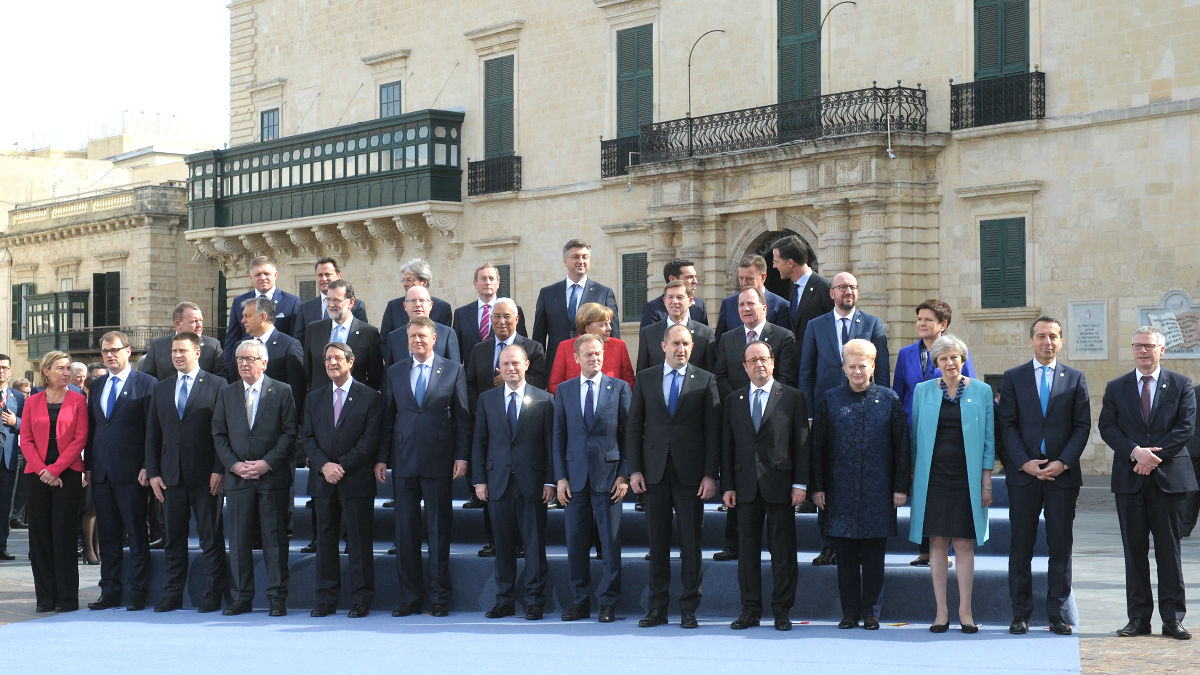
{"x": 44, "y": 609}
{"x": 389, "y": 504}
{"x": 488, "y": 551}
{"x": 105, "y": 602}
{"x": 209, "y": 603}
{"x": 806, "y": 507}
{"x": 358, "y": 611}
{"x": 725, "y": 554}
{"x": 576, "y": 612}
{"x": 533, "y": 613}
{"x": 323, "y": 609}
{"x": 555, "y": 504}
{"x": 688, "y": 620}
{"x": 60, "y": 609}
{"x": 406, "y": 610}
{"x": 1060, "y": 626}
{"x": 655, "y": 617}
{"x": 158, "y": 544}
{"x": 391, "y": 551}
{"x": 847, "y": 622}
{"x": 16, "y": 524}
{"x": 745, "y": 620}
{"x": 608, "y": 614}
{"x": 1019, "y": 626}
{"x": 236, "y": 608}
{"x": 969, "y": 628}
{"x": 939, "y": 628}
{"x": 782, "y": 622}
{"x": 920, "y": 561}
{"x": 639, "y": 506}
{"x": 1135, "y": 627}
{"x": 871, "y": 623}
{"x": 278, "y": 608}
{"x": 310, "y": 547}
{"x": 647, "y": 555}
{"x": 500, "y": 611}
{"x": 825, "y": 557}
{"x": 136, "y": 603}
{"x": 5, "y": 555}
{"x": 473, "y": 503}
{"x": 169, "y": 604}
{"x": 521, "y": 551}
{"x": 1175, "y": 629}
{"x": 722, "y": 508}
{"x": 439, "y": 609}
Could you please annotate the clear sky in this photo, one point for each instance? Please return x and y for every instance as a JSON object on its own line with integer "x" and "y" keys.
{"x": 72, "y": 66}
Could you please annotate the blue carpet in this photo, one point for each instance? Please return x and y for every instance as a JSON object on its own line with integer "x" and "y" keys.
{"x": 115, "y": 641}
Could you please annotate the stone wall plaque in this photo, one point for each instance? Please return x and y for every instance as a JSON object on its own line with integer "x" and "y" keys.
{"x": 1179, "y": 321}
{"x": 1087, "y": 330}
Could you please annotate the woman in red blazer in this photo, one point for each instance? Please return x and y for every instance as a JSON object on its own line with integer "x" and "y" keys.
{"x": 596, "y": 319}
{"x": 54, "y": 429}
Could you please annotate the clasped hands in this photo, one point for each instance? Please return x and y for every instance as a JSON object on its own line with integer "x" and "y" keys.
{"x": 1043, "y": 469}
{"x": 252, "y": 470}
{"x": 1145, "y": 460}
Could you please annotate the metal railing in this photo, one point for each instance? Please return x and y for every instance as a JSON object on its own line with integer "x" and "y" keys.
{"x": 1012, "y": 98}
{"x": 617, "y": 155}
{"x": 498, "y": 174}
{"x": 77, "y": 341}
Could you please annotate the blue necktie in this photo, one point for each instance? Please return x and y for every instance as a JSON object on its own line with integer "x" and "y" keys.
{"x": 673, "y": 398}
{"x": 499, "y": 348}
{"x": 422, "y": 382}
{"x": 756, "y": 411}
{"x": 589, "y": 405}
{"x": 183, "y": 394}
{"x": 337, "y": 333}
{"x": 112, "y": 396}
{"x": 512, "y": 412}
{"x": 573, "y": 305}
{"x": 1044, "y": 395}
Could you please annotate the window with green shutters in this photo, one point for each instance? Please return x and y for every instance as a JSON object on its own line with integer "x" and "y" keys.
{"x": 799, "y": 49}
{"x": 1002, "y": 262}
{"x": 633, "y": 283}
{"x": 20, "y": 317}
{"x": 1001, "y": 38}
{"x": 498, "y": 107}
{"x": 106, "y": 299}
{"x": 635, "y": 79}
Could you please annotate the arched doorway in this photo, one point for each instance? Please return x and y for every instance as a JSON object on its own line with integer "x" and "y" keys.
{"x": 775, "y": 283}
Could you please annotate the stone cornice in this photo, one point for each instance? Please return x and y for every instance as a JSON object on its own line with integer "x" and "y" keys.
{"x": 387, "y": 57}
{"x": 999, "y": 189}
{"x": 496, "y": 38}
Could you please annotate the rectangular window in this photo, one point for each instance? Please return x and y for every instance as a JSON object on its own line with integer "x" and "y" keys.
{"x": 389, "y": 99}
{"x": 635, "y": 79}
{"x": 505, "y": 273}
{"x": 1001, "y": 38}
{"x": 269, "y": 125}
{"x": 498, "y": 107}
{"x": 633, "y": 283}
{"x": 1002, "y": 262}
{"x": 106, "y": 299}
{"x": 799, "y": 49}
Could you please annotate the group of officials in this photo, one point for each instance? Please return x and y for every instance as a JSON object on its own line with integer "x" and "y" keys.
{"x": 434, "y": 395}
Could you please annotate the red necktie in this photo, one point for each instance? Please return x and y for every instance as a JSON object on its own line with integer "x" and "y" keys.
{"x": 1146, "y": 380}
{"x": 485, "y": 322}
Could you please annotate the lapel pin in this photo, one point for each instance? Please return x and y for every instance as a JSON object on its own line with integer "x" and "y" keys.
{"x": 877, "y": 400}
{"x": 439, "y": 371}
{"x": 692, "y": 376}
{"x": 356, "y": 332}
{"x": 349, "y": 398}
{"x": 968, "y": 400}
{"x": 741, "y": 397}
{"x": 608, "y": 386}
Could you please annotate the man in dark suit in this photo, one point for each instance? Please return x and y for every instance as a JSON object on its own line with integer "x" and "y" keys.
{"x": 764, "y": 474}
{"x": 512, "y": 471}
{"x": 590, "y": 470}
{"x": 340, "y": 435}
{"x": 1044, "y": 422}
{"x": 752, "y": 271}
{"x": 810, "y": 296}
{"x": 677, "y": 299}
{"x": 188, "y": 318}
{"x": 254, "y": 432}
{"x": 263, "y": 275}
{"x": 554, "y": 316}
{"x": 426, "y": 443}
{"x": 673, "y": 438}
{"x": 415, "y": 272}
{"x": 115, "y": 460}
{"x": 417, "y": 303}
{"x": 483, "y": 363}
{"x": 12, "y": 404}
{"x": 343, "y": 326}
{"x": 1148, "y": 419}
{"x": 314, "y": 309}
{"x": 473, "y": 321}
{"x": 286, "y": 362}
{"x": 185, "y": 474}
{"x": 683, "y": 270}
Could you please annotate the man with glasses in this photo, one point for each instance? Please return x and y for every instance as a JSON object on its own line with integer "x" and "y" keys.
{"x": 418, "y": 303}
{"x": 12, "y": 402}
{"x": 415, "y": 272}
{"x": 342, "y": 326}
{"x": 315, "y": 309}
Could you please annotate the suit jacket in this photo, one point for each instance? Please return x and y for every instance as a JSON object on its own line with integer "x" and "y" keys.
{"x": 778, "y": 312}
{"x": 692, "y": 437}
{"x": 182, "y": 451}
{"x": 821, "y": 358}
{"x": 14, "y": 401}
{"x": 157, "y": 362}
{"x": 424, "y": 441}
{"x": 769, "y": 461}
{"x": 466, "y": 327}
{"x": 395, "y": 347}
{"x": 394, "y": 316}
{"x": 551, "y": 325}
{"x": 908, "y": 374}
{"x": 498, "y": 455}
{"x": 1022, "y": 426}
{"x": 285, "y": 362}
{"x": 815, "y": 301}
{"x": 310, "y": 311}
{"x": 116, "y": 448}
{"x": 71, "y": 431}
{"x": 656, "y": 310}
{"x": 591, "y": 457}
{"x": 650, "y": 351}
{"x": 287, "y": 307}
{"x": 731, "y": 353}
{"x": 352, "y": 442}
{"x": 481, "y": 367}
{"x": 363, "y": 338}
{"x": 1171, "y": 426}
{"x": 271, "y": 439}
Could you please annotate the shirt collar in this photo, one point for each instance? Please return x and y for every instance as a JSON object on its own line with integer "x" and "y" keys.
{"x": 346, "y": 324}
{"x": 519, "y": 391}
{"x": 1038, "y": 364}
{"x": 802, "y": 282}
{"x": 758, "y": 330}
{"x": 345, "y": 387}
{"x": 479, "y": 303}
{"x": 426, "y": 362}
{"x": 838, "y": 315}
{"x": 582, "y": 283}
{"x": 270, "y": 294}
{"x": 1138, "y": 375}
{"x": 766, "y": 387}
{"x": 267, "y": 335}
{"x": 123, "y": 375}
{"x": 667, "y": 369}
{"x": 257, "y": 384}
{"x": 191, "y": 374}
{"x": 595, "y": 380}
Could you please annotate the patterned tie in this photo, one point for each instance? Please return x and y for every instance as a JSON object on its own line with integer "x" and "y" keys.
{"x": 337, "y": 404}
{"x": 485, "y": 322}
{"x": 1044, "y": 396}
{"x": 589, "y": 406}
{"x": 573, "y": 305}
{"x": 512, "y": 412}
{"x": 112, "y": 397}
{"x": 183, "y": 394}
{"x": 750, "y": 336}
{"x": 422, "y": 383}
{"x": 756, "y": 409}
{"x": 673, "y": 397}
{"x": 1146, "y": 380}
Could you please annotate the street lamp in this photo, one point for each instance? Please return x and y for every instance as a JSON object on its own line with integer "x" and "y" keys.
{"x": 689, "y": 78}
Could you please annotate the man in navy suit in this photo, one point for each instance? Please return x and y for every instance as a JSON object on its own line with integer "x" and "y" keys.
{"x": 315, "y": 309}
{"x": 343, "y": 326}
{"x": 513, "y": 472}
{"x": 286, "y": 362}
{"x": 683, "y": 270}
{"x": 810, "y": 296}
{"x": 473, "y": 321}
{"x": 12, "y": 404}
{"x": 340, "y": 435}
{"x": 426, "y": 443}
{"x": 752, "y": 271}
{"x": 674, "y": 443}
{"x": 591, "y": 475}
{"x": 1044, "y": 421}
{"x": 417, "y": 303}
{"x": 263, "y": 275}
{"x": 115, "y": 460}
{"x": 185, "y": 474}
{"x": 677, "y": 299}
{"x": 189, "y": 318}
{"x": 554, "y": 316}
{"x": 415, "y": 272}
{"x": 1148, "y": 418}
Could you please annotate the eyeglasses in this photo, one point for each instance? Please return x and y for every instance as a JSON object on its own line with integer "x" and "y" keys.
{"x": 248, "y": 359}
{"x": 418, "y": 302}
{"x": 335, "y": 359}
{"x": 1143, "y": 347}
{"x": 846, "y": 287}
{"x": 760, "y": 359}
{"x": 114, "y": 350}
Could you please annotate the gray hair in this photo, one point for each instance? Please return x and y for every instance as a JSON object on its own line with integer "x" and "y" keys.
{"x": 505, "y": 301}
{"x": 419, "y": 269}
{"x": 947, "y": 343}
{"x": 264, "y": 306}
{"x": 341, "y": 347}
{"x": 78, "y": 367}
{"x": 1159, "y": 337}
{"x": 254, "y": 344}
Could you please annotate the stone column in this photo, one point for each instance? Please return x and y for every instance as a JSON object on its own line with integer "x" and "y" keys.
{"x": 662, "y": 251}
{"x": 871, "y": 255}
{"x": 834, "y": 230}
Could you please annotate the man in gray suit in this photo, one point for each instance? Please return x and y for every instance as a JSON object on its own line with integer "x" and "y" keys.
{"x": 254, "y": 430}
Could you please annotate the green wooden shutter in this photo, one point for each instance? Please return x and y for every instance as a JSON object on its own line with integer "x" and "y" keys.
{"x": 799, "y": 45}
{"x": 106, "y": 299}
{"x": 1001, "y": 38}
{"x": 1002, "y": 262}
{"x": 633, "y": 283}
{"x": 635, "y": 79}
{"x": 15, "y": 330}
{"x": 498, "y": 107}
{"x": 1015, "y": 58}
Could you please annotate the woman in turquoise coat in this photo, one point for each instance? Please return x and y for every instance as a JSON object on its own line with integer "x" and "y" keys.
{"x": 954, "y": 450}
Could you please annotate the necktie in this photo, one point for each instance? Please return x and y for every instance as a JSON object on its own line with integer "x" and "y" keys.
{"x": 1044, "y": 395}
{"x": 183, "y": 394}
{"x": 750, "y": 336}
{"x": 485, "y": 322}
{"x": 499, "y": 348}
{"x": 573, "y": 305}
{"x": 673, "y": 397}
{"x": 512, "y": 411}
{"x": 756, "y": 409}
{"x": 112, "y": 396}
{"x": 337, "y": 333}
{"x": 422, "y": 383}
{"x": 324, "y": 309}
{"x": 589, "y": 405}
{"x": 250, "y": 407}
{"x": 1146, "y": 380}
{"x": 7, "y": 457}
{"x": 845, "y": 331}
{"x": 796, "y": 291}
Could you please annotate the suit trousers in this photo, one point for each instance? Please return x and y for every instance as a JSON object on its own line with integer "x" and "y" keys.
{"x": 781, "y": 540}
{"x": 1026, "y": 503}
{"x": 1152, "y": 511}
{"x": 515, "y": 517}
{"x": 20, "y": 493}
{"x": 860, "y": 574}
{"x": 8, "y": 484}
{"x": 662, "y": 498}
{"x": 590, "y": 507}
{"x": 265, "y": 505}
{"x": 357, "y": 512}
{"x": 53, "y": 514}
{"x": 120, "y": 508}
{"x": 182, "y": 502}
{"x": 408, "y": 493}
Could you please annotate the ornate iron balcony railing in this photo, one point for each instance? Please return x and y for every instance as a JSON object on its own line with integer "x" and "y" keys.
{"x": 498, "y": 174}
{"x": 1012, "y": 98}
{"x": 617, "y": 155}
